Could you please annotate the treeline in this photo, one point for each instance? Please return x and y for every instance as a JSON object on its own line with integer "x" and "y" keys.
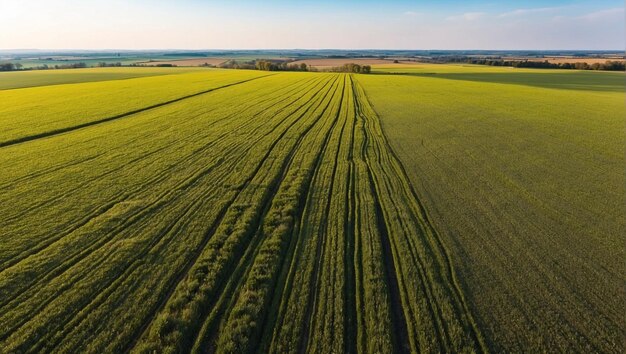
{"x": 265, "y": 65}
{"x": 609, "y": 65}
{"x": 160, "y": 65}
{"x": 269, "y": 65}
{"x": 18, "y": 66}
{"x": 109, "y": 65}
{"x": 352, "y": 68}
{"x": 10, "y": 66}
{"x": 63, "y": 66}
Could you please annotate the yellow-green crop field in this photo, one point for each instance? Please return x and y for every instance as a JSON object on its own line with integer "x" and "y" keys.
{"x": 424, "y": 208}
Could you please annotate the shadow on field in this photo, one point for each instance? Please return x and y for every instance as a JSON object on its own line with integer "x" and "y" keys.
{"x": 585, "y": 80}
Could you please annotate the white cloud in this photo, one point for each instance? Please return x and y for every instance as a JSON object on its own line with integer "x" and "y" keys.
{"x": 603, "y": 15}
{"x": 411, "y": 13}
{"x": 524, "y": 12}
{"x": 468, "y": 16}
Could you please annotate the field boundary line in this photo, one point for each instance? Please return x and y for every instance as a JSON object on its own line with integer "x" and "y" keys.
{"x": 425, "y": 284}
{"x": 400, "y": 337}
{"x": 119, "y": 116}
{"x": 427, "y": 222}
{"x": 350, "y": 289}
{"x": 99, "y": 81}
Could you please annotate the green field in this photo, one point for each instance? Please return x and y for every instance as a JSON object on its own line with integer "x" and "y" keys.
{"x": 526, "y": 183}
{"x": 90, "y": 60}
{"x": 19, "y": 79}
{"x": 423, "y": 208}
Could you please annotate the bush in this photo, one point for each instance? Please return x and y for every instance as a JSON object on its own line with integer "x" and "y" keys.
{"x": 353, "y": 68}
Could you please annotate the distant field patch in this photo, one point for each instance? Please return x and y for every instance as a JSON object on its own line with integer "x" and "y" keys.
{"x": 560, "y": 60}
{"x": 185, "y": 62}
{"x": 342, "y": 61}
{"x": 21, "y": 79}
{"x": 390, "y": 67}
{"x": 549, "y": 78}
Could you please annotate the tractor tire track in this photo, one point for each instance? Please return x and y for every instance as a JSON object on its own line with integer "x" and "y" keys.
{"x": 309, "y": 321}
{"x": 159, "y": 201}
{"x": 307, "y": 178}
{"x": 425, "y": 221}
{"x": 267, "y": 196}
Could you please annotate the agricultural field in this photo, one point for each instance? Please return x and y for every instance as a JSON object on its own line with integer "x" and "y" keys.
{"x": 545, "y": 78}
{"x": 70, "y": 107}
{"x": 522, "y": 172}
{"x": 38, "y": 59}
{"x": 20, "y": 79}
{"x": 333, "y": 62}
{"x": 186, "y": 62}
{"x": 422, "y": 208}
{"x": 564, "y": 59}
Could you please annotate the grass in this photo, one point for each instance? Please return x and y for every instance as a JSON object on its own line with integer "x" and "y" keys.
{"x": 244, "y": 211}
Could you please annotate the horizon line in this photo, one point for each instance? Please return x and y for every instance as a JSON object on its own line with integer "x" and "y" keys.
{"x": 309, "y": 49}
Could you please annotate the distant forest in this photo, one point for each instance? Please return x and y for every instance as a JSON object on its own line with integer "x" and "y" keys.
{"x": 609, "y": 65}
{"x": 281, "y": 65}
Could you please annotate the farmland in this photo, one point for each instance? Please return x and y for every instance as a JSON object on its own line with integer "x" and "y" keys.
{"x": 522, "y": 171}
{"x": 574, "y": 59}
{"x": 185, "y": 62}
{"x": 328, "y": 63}
{"x": 22, "y": 79}
{"x": 200, "y": 210}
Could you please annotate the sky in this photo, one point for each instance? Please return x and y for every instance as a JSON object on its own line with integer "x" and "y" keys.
{"x": 321, "y": 24}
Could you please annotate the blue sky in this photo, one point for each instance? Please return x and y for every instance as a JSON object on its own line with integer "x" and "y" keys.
{"x": 349, "y": 24}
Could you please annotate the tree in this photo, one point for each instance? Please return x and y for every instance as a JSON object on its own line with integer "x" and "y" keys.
{"x": 7, "y": 66}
